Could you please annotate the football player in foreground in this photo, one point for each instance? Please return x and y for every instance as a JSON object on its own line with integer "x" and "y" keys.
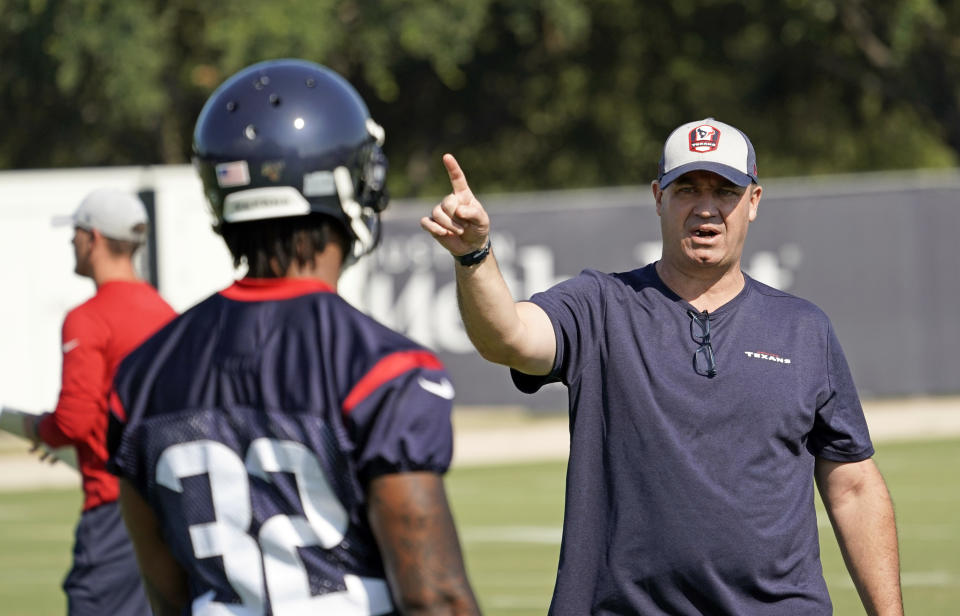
{"x": 279, "y": 451}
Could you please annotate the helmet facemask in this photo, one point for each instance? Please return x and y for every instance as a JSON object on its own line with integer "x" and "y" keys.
{"x": 363, "y": 196}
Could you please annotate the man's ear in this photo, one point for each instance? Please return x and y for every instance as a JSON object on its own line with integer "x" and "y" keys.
{"x": 657, "y": 194}
{"x": 755, "y": 201}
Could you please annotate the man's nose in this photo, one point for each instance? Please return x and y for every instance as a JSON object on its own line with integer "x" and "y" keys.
{"x": 707, "y": 206}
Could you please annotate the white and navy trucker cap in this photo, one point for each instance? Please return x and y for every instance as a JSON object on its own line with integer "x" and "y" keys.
{"x": 708, "y": 145}
{"x": 116, "y": 214}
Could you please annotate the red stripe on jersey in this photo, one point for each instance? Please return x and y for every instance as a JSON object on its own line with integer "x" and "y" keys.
{"x": 386, "y": 369}
{"x": 268, "y": 289}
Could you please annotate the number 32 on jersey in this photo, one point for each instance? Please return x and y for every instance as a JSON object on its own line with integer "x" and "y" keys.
{"x": 268, "y": 565}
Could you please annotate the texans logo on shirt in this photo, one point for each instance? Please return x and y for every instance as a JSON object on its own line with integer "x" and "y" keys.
{"x": 767, "y": 356}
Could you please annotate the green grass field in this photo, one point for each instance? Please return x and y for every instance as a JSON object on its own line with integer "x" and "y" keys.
{"x": 510, "y": 518}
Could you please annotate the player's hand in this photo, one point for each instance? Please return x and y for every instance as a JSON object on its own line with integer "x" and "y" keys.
{"x": 44, "y": 453}
{"x": 39, "y": 448}
{"x": 459, "y": 222}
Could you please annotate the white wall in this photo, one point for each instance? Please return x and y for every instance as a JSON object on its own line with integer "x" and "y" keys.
{"x": 37, "y": 282}
{"x": 36, "y": 276}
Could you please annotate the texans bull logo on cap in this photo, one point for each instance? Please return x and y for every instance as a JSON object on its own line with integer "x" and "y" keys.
{"x": 704, "y": 138}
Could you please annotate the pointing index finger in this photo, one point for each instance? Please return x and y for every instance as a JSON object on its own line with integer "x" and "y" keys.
{"x": 457, "y": 179}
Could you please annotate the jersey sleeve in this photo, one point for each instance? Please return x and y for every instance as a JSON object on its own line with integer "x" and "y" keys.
{"x": 840, "y": 430}
{"x": 133, "y": 387}
{"x": 81, "y": 404}
{"x": 123, "y": 446}
{"x": 398, "y": 415}
{"x": 575, "y": 308}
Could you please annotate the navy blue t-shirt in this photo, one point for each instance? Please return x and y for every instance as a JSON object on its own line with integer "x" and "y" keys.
{"x": 688, "y": 494}
{"x": 252, "y": 425}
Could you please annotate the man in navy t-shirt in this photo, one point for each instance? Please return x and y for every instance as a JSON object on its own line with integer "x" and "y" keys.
{"x": 702, "y": 406}
{"x": 279, "y": 451}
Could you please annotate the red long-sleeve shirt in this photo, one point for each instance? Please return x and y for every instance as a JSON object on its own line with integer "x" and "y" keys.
{"x": 96, "y": 336}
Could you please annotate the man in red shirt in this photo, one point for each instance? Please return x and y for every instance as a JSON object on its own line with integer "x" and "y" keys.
{"x": 109, "y": 227}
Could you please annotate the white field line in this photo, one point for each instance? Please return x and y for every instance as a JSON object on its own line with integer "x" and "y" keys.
{"x": 515, "y": 602}
{"x": 552, "y": 534}
{"x": 512, "y": 534}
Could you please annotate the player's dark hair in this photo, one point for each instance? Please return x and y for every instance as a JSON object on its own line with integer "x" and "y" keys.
{"x": 297, "y": 239}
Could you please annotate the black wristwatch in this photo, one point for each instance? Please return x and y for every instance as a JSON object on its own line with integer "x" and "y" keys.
{"x": 472, "y": 258}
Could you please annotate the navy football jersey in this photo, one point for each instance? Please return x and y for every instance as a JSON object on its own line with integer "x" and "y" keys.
{"x": 252, "y": 424}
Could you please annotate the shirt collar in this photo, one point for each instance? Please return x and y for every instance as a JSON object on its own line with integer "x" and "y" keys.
{"x": 267, "y": 289}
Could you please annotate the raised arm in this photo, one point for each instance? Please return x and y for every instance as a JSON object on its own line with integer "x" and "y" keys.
{"x": 413, "y": 526}
{"x": 516, "y": 334}
{"x": 860, "y": 509}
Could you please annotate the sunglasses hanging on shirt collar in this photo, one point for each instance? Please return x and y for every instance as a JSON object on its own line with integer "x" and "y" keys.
{"x": 704, "y": 362}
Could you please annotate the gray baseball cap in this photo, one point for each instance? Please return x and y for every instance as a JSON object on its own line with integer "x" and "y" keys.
{"x": 708, "y": 145}
{"x": 116, "y": 214}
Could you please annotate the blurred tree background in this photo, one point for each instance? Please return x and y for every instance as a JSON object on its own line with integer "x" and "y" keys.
{"x": 530, "y": 95}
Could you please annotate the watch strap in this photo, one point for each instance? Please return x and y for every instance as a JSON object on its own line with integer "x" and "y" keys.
{"x": 472, "y": 258}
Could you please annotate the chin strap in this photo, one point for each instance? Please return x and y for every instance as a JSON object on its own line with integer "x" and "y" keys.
{"x": 351, "y": 207}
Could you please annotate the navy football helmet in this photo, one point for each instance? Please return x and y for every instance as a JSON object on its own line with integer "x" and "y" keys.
{"x": 290, "y": 138}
